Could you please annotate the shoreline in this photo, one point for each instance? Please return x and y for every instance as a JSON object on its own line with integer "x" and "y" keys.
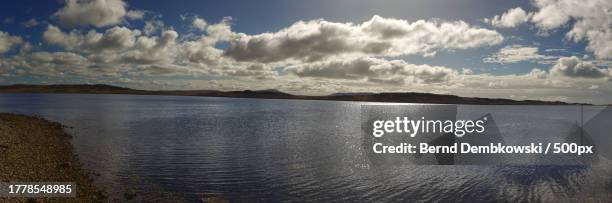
{"x": 394, "y": 97}
{"x": 33, "y": 149}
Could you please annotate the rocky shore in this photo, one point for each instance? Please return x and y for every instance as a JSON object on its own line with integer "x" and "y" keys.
{"x": 36, "y": 150}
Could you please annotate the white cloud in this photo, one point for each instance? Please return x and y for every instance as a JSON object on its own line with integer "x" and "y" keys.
{"x": 152, "y": 50}
{"x": 517, "y": 53}
{"x": 113, "y": 39}
{"x": 52, "y": 64}
{"x": 221, "y": 31}
{"x": 254, "y": 71}
{"x": 537, "y": 73}
{"x": 8, "y": 42}
{"x": 116, "y": 38}
{"x": 555, "y": 50}
{"x": 511, "y": 18}
{"x": 203, "y": 50}
{"x": 99, "y": 13}
{"x": 318, "y": 39}
{"x": 199, "y": 23}
{"x": 53, "y": 35}
{"x": 135, "y": 14}
{"x": 30, "y": 23}
{"x": 151, "y": 26}
{"x": 498, "y": 84}
{"x": 374, "y": 70}
{"x": 124, "y": 50}
{"x": 574, "y": 67}
{"x": 570, "y": 68}
{"x": 115, "y": 48}
{"x": 591, "y": 21}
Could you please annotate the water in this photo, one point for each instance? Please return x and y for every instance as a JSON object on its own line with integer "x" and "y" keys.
{"x": 185, "y": 148}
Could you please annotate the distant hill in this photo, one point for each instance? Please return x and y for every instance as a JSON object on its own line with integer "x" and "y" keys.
{"x": 429, "y": 98}
{"x": 61, "y": 88}
{"x": 404, "y": 97}
{"x": 344, "y": 94}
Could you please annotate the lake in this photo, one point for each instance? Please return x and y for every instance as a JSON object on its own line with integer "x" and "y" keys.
{"x": 165, "y": 148}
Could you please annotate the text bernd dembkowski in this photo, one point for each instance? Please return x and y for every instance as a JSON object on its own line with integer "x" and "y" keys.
{"x": 493, "y": 148}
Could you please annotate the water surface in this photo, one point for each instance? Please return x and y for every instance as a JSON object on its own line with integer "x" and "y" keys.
{"x": 170, "y": 147}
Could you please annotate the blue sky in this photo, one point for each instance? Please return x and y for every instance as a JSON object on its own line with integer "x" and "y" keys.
{"x": 540, "y": 49}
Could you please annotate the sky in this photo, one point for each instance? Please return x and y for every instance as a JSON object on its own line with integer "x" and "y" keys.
{"x": 557, "y": 50}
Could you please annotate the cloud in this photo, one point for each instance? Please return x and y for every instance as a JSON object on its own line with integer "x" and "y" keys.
{"x": 8, "y": 20}
{"x": 254, "y": 71}
{"x": 511, "y": 18}
{"x": 221, "y": 31}
{"x": 151, "y": 26}
{"x": 569, "y": 68}
{"x": 537, "y": 73}
{"x": 123, "y": 50}
{"x": 591, "y": 22}
{"x": 498, "y": 84}
{"x": 64, "y": 58}
{"x": 8, "y": 42}
{"x": 30, "y": 23}
{"x": 98, "y": 13}
{"x": 318, "y": 39}
{"x": 116, "y": 47}
{"x": 116, "y": 38}
{"x": 574, "y": 67}
{"x": 54, "y": 64}
{"x": 202, "y": 50}
{"x": 152, "y": 50}
{"x": 162, "y": 70}
{"x": 113, "y": 39}
{"x": 135, "y": 14}
{"x": 555, "y": 50}
{"x": 199, "y": 23}
{"x": 374, "y": 70}
{"x": 70, "y": 60}
{"x": 517, "y": 53}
